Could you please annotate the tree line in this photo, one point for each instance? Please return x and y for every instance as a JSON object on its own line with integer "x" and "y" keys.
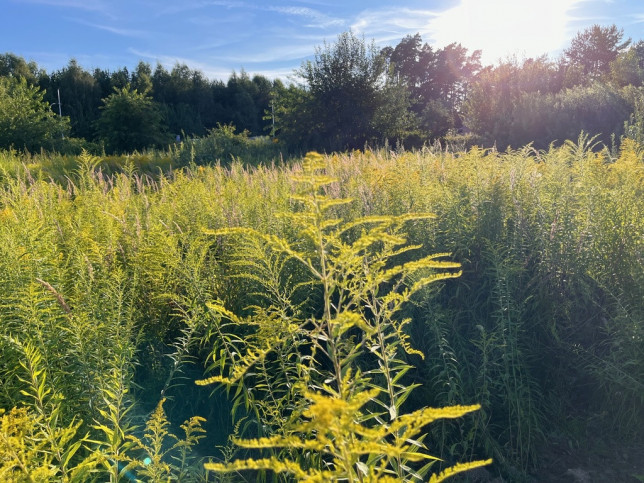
{"x": 350, "y": 94}
{"x": 133, "y": 110}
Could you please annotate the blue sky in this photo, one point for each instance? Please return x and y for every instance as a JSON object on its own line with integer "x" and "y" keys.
{"x": 274, "y": 37}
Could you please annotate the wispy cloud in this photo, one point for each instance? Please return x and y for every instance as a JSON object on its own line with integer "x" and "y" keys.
{"x": 186, "y": 6}
{"x": 209, "y": 46}
{"x": 320, "y": 3}
{"x": 114, "y": 30}
{"x": 317, "y": 19}
{"x": 279, "y": 53}
{"x": 212, "y": 20}
{"x": 387, "y": 24}
{"x": 320, "y": 20}
{"x": 89, "y": 5}
{"x": 208, "y": 69}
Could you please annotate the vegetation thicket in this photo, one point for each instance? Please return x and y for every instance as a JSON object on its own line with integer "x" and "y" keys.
{"x": 26, "y": 119}
{"x": 130, "y": 121}
{"x": 350, "y": 94}
{"x": 304, "y": 311}
{"x": 198, "y": 308}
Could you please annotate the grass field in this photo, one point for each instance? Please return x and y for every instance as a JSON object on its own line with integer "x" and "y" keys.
{"x": 120, "y": 290}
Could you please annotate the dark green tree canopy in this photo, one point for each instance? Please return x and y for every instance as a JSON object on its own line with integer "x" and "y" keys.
{"x": 80, "y": 97}
{"x": 142, "y": 78}
{"x": 404, "y": 59}
{"x": 344, "y": 81}
{"x": 595, "y": 48}
{"x": 130, "y": 121}
{"x": 26, "y": 120}
{"x": 437, "y": 81}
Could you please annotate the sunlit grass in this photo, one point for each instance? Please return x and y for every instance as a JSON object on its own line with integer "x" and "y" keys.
{"x": 107, "y": 272}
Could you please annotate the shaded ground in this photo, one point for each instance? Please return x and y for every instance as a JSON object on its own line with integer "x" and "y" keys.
{"x": 593, "y": 460}
{"x": 596, "y": 460}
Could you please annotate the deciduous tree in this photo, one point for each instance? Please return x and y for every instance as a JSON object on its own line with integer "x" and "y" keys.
{"x": 595, "y": 48}
{"x": 344, "y": 81}
{"x": 130, "y": 121}
{"x": 14, "y": 66}
{"x": 26, "y": 120}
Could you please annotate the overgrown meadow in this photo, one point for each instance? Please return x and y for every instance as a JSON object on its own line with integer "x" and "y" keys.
{"x": 299, "y": 321}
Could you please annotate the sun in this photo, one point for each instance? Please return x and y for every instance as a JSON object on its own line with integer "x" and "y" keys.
{"x": 504, "y": 28}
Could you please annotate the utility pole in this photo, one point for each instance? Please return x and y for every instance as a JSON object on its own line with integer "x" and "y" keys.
{"x": 60, "y": 112}
{"x": 273, "y": 116}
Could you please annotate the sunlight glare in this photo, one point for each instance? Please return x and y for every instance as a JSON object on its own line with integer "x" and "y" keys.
{"x": 502, "y": 28}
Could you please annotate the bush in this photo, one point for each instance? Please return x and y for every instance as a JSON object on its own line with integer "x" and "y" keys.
{"x": 223, "y": 145}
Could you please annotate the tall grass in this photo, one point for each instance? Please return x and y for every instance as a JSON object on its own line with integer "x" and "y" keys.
{"x": 548, "y": 302}
{"x": 107, "y": 279}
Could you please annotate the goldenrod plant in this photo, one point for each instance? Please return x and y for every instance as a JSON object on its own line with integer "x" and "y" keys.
{"x": 332, "y": 428}
{"x": 35, "y": 443}
{"x": 155, "y": 465}
{"x": 106, "y": 274}
{"x": 331, "y": 397}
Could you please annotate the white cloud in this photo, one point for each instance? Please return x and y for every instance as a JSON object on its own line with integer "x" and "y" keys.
{"x": 186, "y": 6}
{"x": 89, "y": 5}
{"x": 316, "y": 2}
{"x": 114, "y": 30}
{"x": 389, "y": 25}
{"x": 216, "y": 71}
{"x": 277, "y": 53}
{"x": 210, "y": 21}
{"x": 320, "y": 20}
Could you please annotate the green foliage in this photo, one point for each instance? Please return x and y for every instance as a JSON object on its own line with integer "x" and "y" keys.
{"x": 352, "y": 451}
{"x": 153, "y": 467}
{"x": 130, "y": 121}
{"x": 335, "y": 352}
{"x": 12, "y": 65}
{"x": 352, "y": 94}
{"x": 75, "y": 315}
{"x": 26, "y": 121}
{"x": 393, "y": 120}
{"x": 595, "y": 48}
{"x": 626, "y": 69}
{"x": 114, "y": 298}
{"x": 36, "y": 445}
{"x": 291, "y": 108}
{"x": 343, "y": 83}
{"x": 634, "y": 126}
{"x": 223, "y": 145}
{"x": 79, "y": 94}
{"x": 436, "y": 81}
{"x": 506, "y": 115}
{"x": 345, "y": 101}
